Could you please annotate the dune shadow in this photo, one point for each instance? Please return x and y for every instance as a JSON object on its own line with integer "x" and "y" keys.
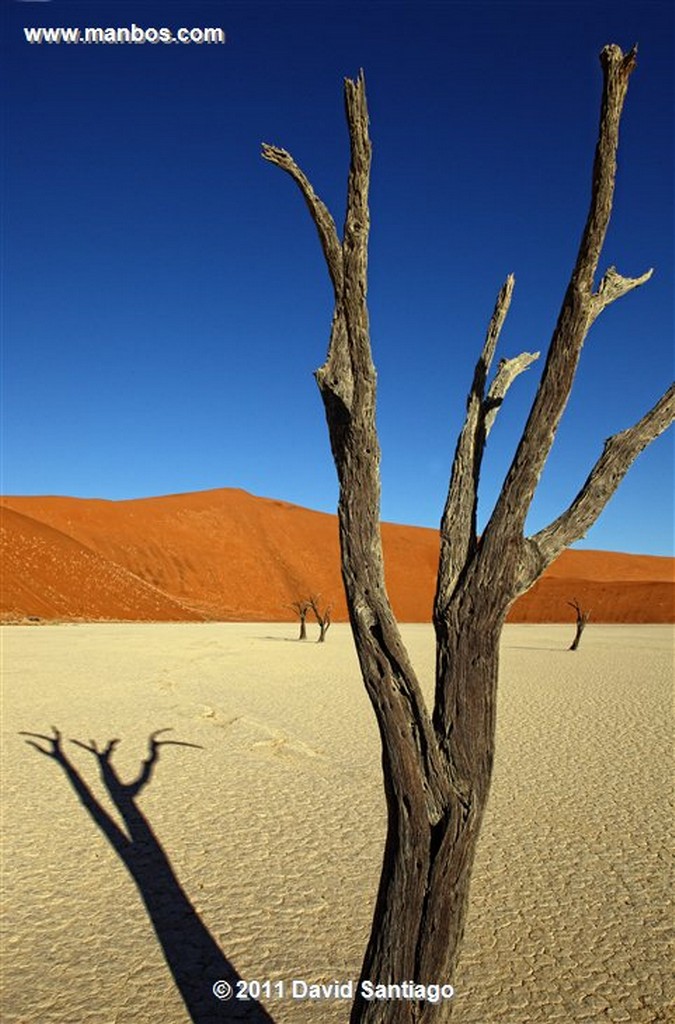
{"x": 192, "y": 954}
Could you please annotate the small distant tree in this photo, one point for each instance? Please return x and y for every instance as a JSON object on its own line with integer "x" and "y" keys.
{"x": 322, "y": 617}
{"x": 437, "y": 763}
{"x": 301, "y": 608}
{"x": 582, "y": 619}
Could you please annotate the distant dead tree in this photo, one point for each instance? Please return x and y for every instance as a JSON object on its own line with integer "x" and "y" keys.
{"x": 301, "y": 608}
{"x": 582, "y": 619}
{"x": 437, "y": 764}
{"x": 322, "y": 617}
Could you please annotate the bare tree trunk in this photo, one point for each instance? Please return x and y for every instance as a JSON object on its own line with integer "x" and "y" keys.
{"x": 322, "y": 617}
{"x": 422, "y": 902}
{"x": 437, "y": 768}
{"x": 301, "y": 608}
{"x": 582, "y": 619}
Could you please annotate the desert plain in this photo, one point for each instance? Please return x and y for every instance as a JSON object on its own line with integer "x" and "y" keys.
{"x": 271, "y": 824}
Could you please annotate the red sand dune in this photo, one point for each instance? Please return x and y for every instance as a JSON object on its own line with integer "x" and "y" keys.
{"x": 227, "y": 555}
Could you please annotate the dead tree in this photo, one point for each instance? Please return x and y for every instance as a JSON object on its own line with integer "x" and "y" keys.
{"x": 302, "y": 608}
{"x": 322, "y": 617}
{"x": 582, "y": 619}
{"x": 437, "y": 765}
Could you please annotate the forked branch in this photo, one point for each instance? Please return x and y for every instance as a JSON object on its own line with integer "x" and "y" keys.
{"x": 612, "y": 287}
{"x": 458, "y": 523}
{"x": 347, "y": 382}
{"x": 437, "y": 773}
{"x": 323, "y": 618}
{"x": 579, "y": 309}
{"x": 301, "y": 608}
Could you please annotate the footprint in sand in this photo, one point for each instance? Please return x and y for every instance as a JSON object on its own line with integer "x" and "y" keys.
{"x": 165, "y": 683}
{"x": 285, "y": 746}
{"x": 260, "y": 736}
{"x": 216, "y": 717}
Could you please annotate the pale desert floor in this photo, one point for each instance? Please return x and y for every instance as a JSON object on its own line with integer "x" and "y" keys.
{"x": 274, "y": 827}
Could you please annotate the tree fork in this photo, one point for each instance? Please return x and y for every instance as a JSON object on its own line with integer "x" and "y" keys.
{"x": 437, "y": 770}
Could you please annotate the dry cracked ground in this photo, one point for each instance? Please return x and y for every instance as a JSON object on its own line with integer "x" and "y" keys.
{"x": 273, "y": 823}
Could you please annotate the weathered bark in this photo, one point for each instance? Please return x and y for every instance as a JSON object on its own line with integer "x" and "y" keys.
{"x": 437, "y": 768}
{"x": 582, "y": 619}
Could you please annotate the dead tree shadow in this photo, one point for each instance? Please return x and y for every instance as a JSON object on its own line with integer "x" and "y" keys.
{"x": 193, "y": 956}
{"x": 280, "y": 639}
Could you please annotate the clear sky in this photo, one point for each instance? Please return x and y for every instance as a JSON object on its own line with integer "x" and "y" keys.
{"x": 165, "y": 299}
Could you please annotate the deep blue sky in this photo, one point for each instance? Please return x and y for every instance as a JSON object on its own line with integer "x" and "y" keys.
{"x": 165, "y": 297}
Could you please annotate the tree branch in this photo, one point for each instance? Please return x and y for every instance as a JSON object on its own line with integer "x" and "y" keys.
{"x": 617, "y": 69}
{"x": 458, "y": 522}
{"x": 357, "y": 217}
{"x": 612, "y": 287}
{"x": 355, "y": 253}
{"x": 619, "y": 453}
{"x": 507, "y": 371}
{"x": 348, "y": 384}
{"x": 320, "y": 213}
{"x": 579, "y": 308}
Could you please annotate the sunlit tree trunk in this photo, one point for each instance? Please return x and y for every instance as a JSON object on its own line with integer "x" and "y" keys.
{"x": 582, "y": 619}
{"x": 437, "y": 766}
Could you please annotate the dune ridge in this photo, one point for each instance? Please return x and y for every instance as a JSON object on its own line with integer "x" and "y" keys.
{"x": 227, "y": 555}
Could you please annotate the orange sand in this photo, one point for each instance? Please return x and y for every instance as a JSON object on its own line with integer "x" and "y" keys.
{"x": 226, "y": 555}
